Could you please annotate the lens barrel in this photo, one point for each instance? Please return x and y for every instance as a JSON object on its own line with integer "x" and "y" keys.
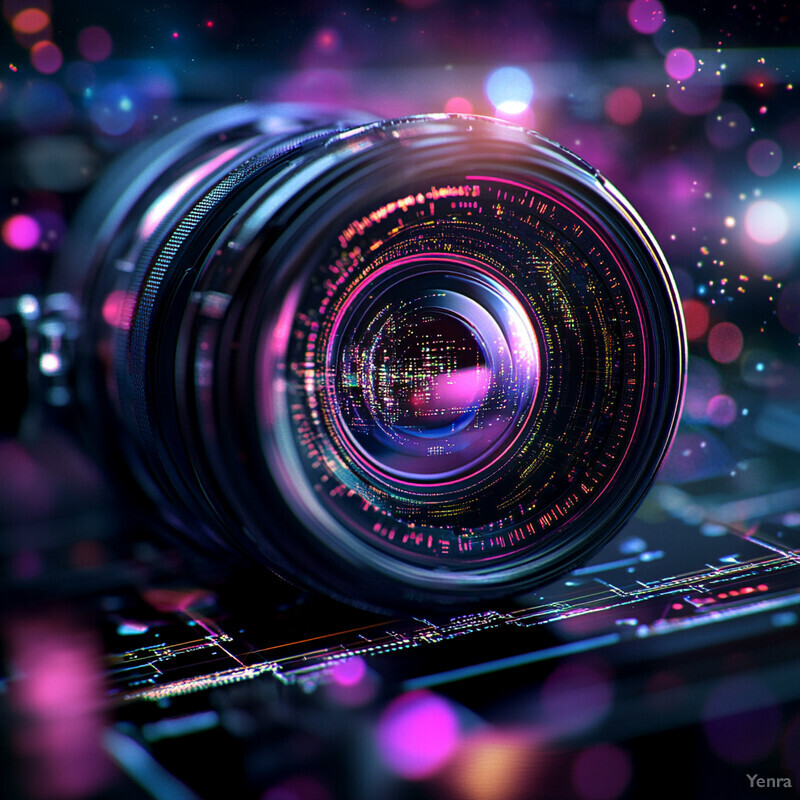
{"x": 419, "y": 362}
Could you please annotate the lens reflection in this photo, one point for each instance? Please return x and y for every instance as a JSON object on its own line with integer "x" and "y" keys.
{"x": 431, "y": 369}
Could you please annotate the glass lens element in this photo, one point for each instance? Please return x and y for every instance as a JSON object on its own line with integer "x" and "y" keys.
{"x": 431, "y": 366}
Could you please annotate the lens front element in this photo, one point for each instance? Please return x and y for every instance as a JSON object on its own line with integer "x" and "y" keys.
{"x": 431, "y": 366}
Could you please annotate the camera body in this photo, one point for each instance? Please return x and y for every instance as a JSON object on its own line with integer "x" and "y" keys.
{"x": 413, "y": 363}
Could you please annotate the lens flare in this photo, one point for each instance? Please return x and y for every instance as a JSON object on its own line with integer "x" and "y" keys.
{"x": 766, "y": 222}
{"x": 21, "y": 232}
{"x": 417, "y": 734}
{"x": 646, "y": 16}
{"x": 94, "y": 43}
{"x": 510, "y": 90}
{"x": 680, "y": 64}
{"x": 46, "y": 57}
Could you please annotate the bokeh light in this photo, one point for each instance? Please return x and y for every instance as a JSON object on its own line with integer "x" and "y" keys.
{"x": 327, "y": 40}
{"x": 602, "y": 772}
{"x": 680, "y": 64}
{"x": 13, "y": 7}
{"x": 94, "y": 43}
{"x": 50, "y": 363}
{"x": 114, "y": 308}
{"x": 623, "y": 105}
{"x": 702, "y": 383}
{"x": 494, "y": 764}
{"x": 417, "y": 734}
{"x": 46, "y": 57}
{"x": 764, "y": 157}
{"x": 458, "y": 105}
{"x": 576, "y": 696}
{"x": 728, "y": 126}
{"x": 742, "y": 720}
{"x": 696, "y": 316}
{"x": 113, "y": 109}
{"x": 766, "y": 222}
{"x": 351, "y": 683}
{"x": 725, "y": 342}
{"x": 695, "y": 96}
{"x": 763, "y": 370}
{"x": 30, "y": 20}
{"x": 350, "y": 671}
{"x": 509, "y": 90}
{"x": 721, "y": 411}
{"x": 646, "y": 16}
{"x": 21, "y": 232}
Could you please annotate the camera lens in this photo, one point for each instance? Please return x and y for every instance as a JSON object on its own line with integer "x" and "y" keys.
{"x": 426, "y": 361}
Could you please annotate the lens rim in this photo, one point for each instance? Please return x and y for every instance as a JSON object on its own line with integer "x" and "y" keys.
{"x": 570, "y": 177}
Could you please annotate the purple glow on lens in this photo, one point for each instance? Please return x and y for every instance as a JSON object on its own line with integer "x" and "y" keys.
{"x": 427, "y": 367}
{"x": 94, "y": 43}
{"x": 175, "y": 193}
{"x": 417, "y": 734}
{"x": 21, "y": 232}
{"x": 646, "y": 16}
{"x": 462, "y": 388}
{"x": 680, "y": 64}
{"x": 602, "y": 772}
{"x": 721, "y": 410}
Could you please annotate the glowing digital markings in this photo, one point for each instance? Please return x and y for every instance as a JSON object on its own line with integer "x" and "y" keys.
{"x": 567, "y": 251}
